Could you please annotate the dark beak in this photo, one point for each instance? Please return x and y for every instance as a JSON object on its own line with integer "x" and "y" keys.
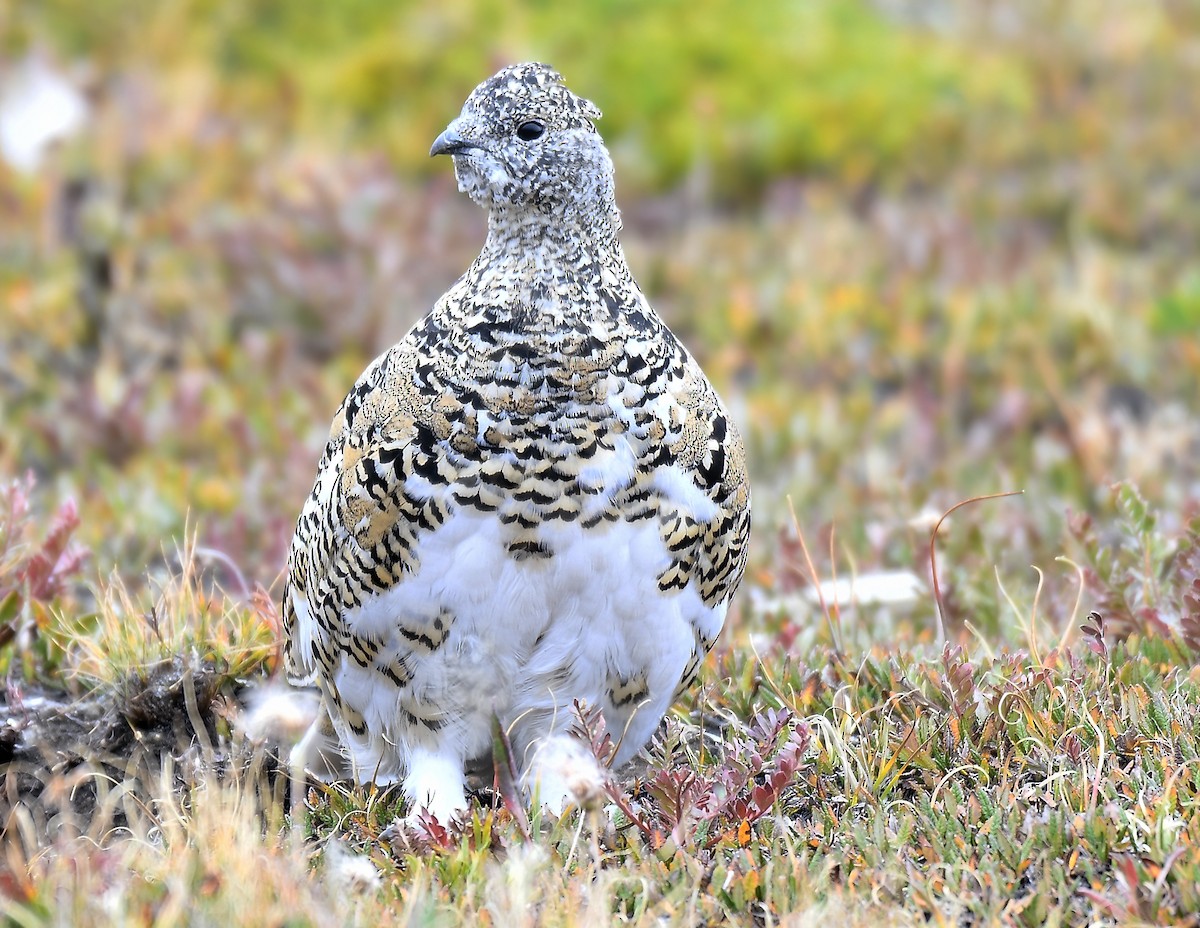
{"x": 450, "y": 143}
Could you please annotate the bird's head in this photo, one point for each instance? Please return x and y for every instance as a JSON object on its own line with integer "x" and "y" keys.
{"x": 523, "y": 141}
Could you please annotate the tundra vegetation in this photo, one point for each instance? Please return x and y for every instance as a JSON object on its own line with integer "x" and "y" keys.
{"x": 931, "y": 253}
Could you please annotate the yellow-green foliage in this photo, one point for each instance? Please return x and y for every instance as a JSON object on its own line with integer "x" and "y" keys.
{"x": 751, "y": 90}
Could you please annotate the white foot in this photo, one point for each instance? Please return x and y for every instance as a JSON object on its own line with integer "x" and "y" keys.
{"x": 435, "y": 782}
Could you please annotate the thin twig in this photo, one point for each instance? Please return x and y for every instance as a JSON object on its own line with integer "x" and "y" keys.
{"x": 937, "y": 589}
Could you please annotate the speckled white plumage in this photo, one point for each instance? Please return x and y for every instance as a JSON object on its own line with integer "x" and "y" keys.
{"x": 535, "y": 497}
{"x": 526, "y": 643}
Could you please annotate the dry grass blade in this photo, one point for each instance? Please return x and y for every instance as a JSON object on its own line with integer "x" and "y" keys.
{"x": 832, "y": 617}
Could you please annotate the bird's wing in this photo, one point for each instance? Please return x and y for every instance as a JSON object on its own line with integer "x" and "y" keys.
{"x": 710, "y": 542}
{"x": 381, "y": 481}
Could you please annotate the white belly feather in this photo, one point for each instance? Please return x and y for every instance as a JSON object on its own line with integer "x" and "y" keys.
{"x": 527, "y": 637}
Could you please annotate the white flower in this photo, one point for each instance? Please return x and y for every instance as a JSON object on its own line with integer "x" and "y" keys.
{"x": 566, "y": 772}
{"x": 351, "y": 872}
{"x": 38, "y": 107}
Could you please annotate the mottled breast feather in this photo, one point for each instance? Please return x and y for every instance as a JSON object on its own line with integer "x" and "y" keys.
{"x": 502, "y": 411}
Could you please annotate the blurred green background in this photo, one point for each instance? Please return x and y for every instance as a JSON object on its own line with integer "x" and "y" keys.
{"x": 926, "y": 249}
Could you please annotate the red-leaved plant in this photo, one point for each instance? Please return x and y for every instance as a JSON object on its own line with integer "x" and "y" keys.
{"x": 685, "y": 806}
{"x": 33, "y": 572}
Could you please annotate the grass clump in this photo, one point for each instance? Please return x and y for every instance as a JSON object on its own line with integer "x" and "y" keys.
{"x": 179, "y": 614}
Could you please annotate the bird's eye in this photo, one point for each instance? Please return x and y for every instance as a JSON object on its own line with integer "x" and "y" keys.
{"x": 528, "y": 131}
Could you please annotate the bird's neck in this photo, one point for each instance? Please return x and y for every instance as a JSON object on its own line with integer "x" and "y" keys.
{"x": 564, "y": 230}
{"x": 539, "y": 273}
{"x": 532, "y": 247}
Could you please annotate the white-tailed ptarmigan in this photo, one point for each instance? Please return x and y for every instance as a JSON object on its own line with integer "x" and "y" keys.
{"x": 535, "y": 497}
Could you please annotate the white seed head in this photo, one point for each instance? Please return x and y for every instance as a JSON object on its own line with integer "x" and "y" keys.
{"x": 279, "y": 713}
